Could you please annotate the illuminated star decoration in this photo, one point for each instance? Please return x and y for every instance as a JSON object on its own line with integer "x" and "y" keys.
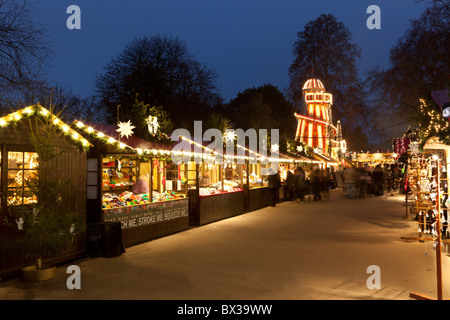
{"x": 125, "y": 129}
{"x": 299, "y": 148}
{"x": 414, "y": 148}
{"x": 229, "y": 135}
{"x": 152, "y": 124}
{"x": 274, "y": 148}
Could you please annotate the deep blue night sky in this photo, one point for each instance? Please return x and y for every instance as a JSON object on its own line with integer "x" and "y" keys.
{"x": 247, "y": 42}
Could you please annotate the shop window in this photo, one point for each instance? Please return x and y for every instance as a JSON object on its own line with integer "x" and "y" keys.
{"x": 91, "y": 182}
{"x": 174, "y": 177}
{"x": 22, "y": 170}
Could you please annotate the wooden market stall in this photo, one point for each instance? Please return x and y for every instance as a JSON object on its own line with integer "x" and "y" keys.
{"x": 215, "y": 189}
{"x": 19, "y": 161}
{"x": 373, "y": 159}
{"x": 115, "y": 166}
{"x": 428, "y": 182}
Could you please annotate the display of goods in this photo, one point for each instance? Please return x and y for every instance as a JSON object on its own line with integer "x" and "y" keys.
{"x": 216, "y": 188}
{"x": 165, "y": 196}
{"x": 114, "y": 184}
{"x": 127, "y": 198}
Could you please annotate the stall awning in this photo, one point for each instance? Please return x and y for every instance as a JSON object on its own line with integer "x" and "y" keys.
{"x": 109, "y": 134}
{"x": 8, "y": 116}
{"x": 323, "y": 158}
{"x": 440, "y": 97}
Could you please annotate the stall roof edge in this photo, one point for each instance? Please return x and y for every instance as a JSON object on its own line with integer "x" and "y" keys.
{"x": 12, "y": 114}
{"x": 134, "y": 141}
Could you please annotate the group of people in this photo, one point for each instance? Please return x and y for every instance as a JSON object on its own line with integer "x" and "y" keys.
{"x": 318, "y": 182}
{"x": 361, "y": 181}
{"x": 358, "y": 182}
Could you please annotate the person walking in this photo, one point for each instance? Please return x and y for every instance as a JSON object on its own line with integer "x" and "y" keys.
{"x": 290, "y": 185}
{"x": 274, "y": 184}
{"x": 327, "y": 183}
{"x": 351, "y": 179}
{"x": 316, "y": 184}
{"x": 378, "y": 179}
{"x": 363, "y": 183}
{"x": 300, "y": 184}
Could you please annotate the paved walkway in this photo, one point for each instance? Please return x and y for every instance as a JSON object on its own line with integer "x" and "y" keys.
{"x": 312, "y": 251}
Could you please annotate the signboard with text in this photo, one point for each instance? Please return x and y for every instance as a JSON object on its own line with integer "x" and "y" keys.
{"x": 145, "y": 214}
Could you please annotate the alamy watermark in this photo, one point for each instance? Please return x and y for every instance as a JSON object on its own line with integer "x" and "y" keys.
{"x": 374, "y": 280}
{"x": 193, "y": 148}
{"x": 374, "y": 21}
{"x": 74, "y": 280}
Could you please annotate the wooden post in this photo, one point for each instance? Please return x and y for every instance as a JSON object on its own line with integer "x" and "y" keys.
{"x": 151, "y": 180}
{"x": 438, "y": 231}
{"x": 406, "y": 188}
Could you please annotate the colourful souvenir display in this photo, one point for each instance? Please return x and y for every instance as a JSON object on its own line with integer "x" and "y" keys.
{"x": 127, "y": 198}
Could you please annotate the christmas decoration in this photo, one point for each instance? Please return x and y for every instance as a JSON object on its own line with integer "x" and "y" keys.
{"x": 125, "y": 129}
{"x": 152, "y": 124}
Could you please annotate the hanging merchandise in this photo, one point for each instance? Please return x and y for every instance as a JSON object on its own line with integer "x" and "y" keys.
{"x": 429, "y": 185}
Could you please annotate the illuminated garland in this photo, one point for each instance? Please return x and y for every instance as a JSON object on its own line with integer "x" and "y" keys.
{"x": 120, "y": 145}
{"x": 40, "y": 111}
{"x": 433, "y": 125}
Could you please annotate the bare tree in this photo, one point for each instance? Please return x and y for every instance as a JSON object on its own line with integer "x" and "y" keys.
{"x": 23, "y": 50}
{"x": 419, "y": 63}
{"x": 324, "y": 50}
{"x": 162, "y": 72}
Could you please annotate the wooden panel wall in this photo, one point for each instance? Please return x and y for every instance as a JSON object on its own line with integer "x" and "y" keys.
{"x": 70, "y": 164}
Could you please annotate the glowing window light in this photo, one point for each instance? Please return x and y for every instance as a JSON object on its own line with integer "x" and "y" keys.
{"x": 310, "y": 133}
{"x": 319, "y": 134}
{"x": 309, "y": 97}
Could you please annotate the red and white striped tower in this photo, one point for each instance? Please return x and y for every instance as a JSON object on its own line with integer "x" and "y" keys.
{"x": 315, "y": 127}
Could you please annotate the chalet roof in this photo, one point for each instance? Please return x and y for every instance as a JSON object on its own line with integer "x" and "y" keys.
{"x": 133, "y": 141}
{"x": 11, "y": 115}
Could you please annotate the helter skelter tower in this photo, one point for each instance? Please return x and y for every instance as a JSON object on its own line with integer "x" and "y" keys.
{"x": 315, "y": 127}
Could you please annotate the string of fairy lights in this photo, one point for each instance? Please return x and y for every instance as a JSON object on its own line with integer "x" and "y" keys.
{"x": 436, "y": 125}
{"x": 206, "y": 153}
{"x": 40, "y": 111}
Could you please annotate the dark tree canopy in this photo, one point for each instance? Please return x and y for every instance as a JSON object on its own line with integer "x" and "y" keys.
{"x": 24, "y": 50}
{"x": 324, "y": 50}
{"x": 419, "y": 64}
{"x": 162, "y": 72}
{"x": 264, "y": 107}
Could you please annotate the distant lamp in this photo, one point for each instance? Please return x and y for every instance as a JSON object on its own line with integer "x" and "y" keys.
{"x": 446, "y": 109}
